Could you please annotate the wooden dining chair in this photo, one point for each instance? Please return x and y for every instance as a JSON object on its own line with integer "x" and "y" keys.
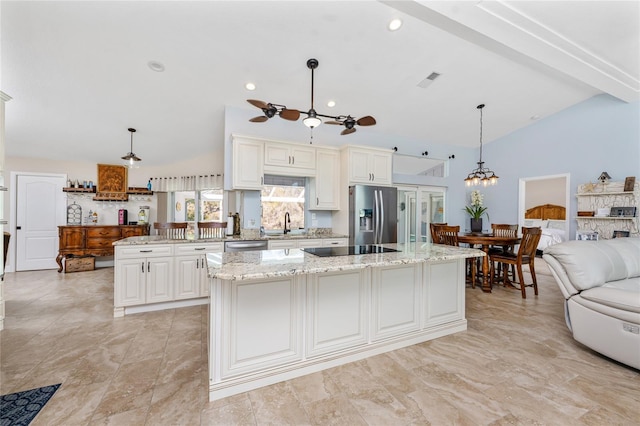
{"x": 211, "y": 229}
{"x": 526, "y": 255}
{"x": 432, "y": 227}
{"x": 446, "y": 234}
{"x": 503, "y": 230}
{"x": 171, "y": 230}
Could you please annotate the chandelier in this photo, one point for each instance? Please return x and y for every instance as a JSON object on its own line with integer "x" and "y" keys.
{"x": 481, "y": 174}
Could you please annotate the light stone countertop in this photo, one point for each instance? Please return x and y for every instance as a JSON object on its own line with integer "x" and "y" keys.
{"x": 277, "y": 263}
{"x": 158, "y": 239}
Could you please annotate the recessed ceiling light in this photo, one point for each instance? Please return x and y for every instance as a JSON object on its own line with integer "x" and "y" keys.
{"x": 155, "y": 66}
{"x": 395, "y": 24}
{"x": 331, "y": 104}
{"x": 535, "y": 117}
{"x": 250, "y": 86}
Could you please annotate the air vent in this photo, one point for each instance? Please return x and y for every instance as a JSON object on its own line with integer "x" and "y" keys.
{"x": 427, "y": 81}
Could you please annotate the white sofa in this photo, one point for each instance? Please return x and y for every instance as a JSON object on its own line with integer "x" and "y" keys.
{"x": 600, "y": 281}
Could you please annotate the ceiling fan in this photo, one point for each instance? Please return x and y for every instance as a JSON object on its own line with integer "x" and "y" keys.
{"x": 270, "y": 110}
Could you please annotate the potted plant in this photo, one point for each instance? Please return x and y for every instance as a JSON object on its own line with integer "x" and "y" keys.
{"x": 476, "y": 210}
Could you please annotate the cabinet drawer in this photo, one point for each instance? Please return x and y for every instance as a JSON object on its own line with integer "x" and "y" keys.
{"x": 133, "y": 232}
{"x": 282, "y": 244}
{"x": 186, "y": 249}
{"x": 103, "y": 232}
{"x": 334, "y": 242}
{"x": 143, "y": 251}
{"x": 100, "y": 243}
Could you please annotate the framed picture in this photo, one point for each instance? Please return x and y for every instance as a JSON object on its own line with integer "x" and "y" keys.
{"x": 112, "y": 179}
{"x": 587, "y": 235}
{"x": 629, "y": 183}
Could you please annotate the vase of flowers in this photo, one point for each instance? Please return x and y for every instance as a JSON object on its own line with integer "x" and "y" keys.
{"x": 476, "y": 210}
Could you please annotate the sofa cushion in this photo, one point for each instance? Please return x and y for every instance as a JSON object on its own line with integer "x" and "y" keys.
{"x": 622, "y": 294}
{"x": 629, "y": 249}
{"x": 589, "y": 263}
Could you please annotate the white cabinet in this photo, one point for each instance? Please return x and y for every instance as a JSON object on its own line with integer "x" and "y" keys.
{"x": 191, "y": 269}
{"x": 248, "y": 163}
{"x": 143, "y": 275}
{"x": 324, "y": 190}
{"x": 289, "y": 155}
{"x": 367, "y": 165}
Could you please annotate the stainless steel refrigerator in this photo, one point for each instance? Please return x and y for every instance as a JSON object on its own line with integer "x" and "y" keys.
{"x": 372, "y": 215}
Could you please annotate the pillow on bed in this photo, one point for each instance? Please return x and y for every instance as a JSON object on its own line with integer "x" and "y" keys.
{"x": 530, "y": 223}
{"x": 555, "y": 224}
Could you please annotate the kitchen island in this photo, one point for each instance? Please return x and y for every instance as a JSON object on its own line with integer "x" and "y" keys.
{"x": 279, "y": 314}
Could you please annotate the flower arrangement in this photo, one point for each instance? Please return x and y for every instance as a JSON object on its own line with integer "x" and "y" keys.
{"x": 476, "y": 210}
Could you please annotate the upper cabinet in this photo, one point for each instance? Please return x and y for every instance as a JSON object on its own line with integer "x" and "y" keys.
{"x": 325, "y": 188}
{"x": 289, "y": 159}
{"x": 248, "y": 163}
{"x": 365, "y": 165}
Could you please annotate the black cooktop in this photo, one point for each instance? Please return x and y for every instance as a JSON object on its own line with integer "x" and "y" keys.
{"x": 348, "y": 250}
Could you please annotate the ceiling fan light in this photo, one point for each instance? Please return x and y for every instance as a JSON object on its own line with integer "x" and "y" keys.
{"x": 312, "y": 122}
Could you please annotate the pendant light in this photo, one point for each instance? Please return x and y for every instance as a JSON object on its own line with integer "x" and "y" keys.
{"x": 481, "y": 175}
{"x": 131, "y": 159}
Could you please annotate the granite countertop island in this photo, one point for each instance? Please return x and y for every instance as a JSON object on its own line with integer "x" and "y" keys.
{"x": 279, "y": 314}
{"x": 277, "y": 263}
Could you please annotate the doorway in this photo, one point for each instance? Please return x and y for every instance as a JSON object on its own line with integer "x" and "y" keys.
{"x": 419, "y": 206}
{"x": 551, "y": 189}
{"x": 37, "y": 209}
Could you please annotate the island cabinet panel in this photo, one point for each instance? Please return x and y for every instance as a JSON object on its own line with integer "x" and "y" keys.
{"x": 444, "y": 299}
{"x": 264, "y": 324}
{"x": 395, "y": 298}
{"x": 336, "y": 311}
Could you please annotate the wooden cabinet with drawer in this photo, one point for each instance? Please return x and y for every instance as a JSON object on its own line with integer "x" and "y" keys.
{"x": 93, "y": 240}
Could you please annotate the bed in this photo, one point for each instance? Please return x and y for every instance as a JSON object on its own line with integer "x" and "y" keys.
{"x": 551, "y": 219}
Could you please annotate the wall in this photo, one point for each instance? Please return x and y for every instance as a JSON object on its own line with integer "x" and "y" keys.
{"x": 545, "y": 191}
{"x": 599, "y": 134}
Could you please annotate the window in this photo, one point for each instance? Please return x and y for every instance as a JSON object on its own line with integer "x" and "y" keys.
{"x": 281, "y": 195}
{"x": 197, "y": 206}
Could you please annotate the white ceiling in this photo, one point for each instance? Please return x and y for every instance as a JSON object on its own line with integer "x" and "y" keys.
{"x": 78, "y": 75}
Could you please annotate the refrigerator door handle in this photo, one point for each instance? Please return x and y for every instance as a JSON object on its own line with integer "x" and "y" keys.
{"x": 376, "y": 212}
{"x": 382, "y": 220}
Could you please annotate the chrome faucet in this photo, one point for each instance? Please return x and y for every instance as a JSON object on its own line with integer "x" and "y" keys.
{"x": 287, "y": 219}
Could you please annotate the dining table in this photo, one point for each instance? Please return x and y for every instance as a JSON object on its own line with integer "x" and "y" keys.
{"x": 485, "y": 241}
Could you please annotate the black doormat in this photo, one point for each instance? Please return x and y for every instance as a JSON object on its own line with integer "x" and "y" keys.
{"x": 20, "y": 408}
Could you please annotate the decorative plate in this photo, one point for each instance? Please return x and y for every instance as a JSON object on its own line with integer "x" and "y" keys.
{"x": 74, "y": 214}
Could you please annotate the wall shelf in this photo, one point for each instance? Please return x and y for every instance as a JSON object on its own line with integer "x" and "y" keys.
{"x": 82, "y": 190}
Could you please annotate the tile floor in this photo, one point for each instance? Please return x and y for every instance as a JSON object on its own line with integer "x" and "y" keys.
{"x": 516, "y": 364}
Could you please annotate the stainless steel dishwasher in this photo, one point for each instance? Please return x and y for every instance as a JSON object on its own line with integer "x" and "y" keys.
{"x": 248, "y": 245}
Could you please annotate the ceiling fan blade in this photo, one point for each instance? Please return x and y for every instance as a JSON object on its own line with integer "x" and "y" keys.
{"x": 340, "y": 123}
{"x": 366, "y": 121}
{"x": 259, "y": 119}
{"x": 290, "y": 114}
{"x": 258, "y": 104}
{"x": 348, "y": 131}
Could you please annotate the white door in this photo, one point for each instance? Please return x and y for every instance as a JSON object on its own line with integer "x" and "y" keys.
{"x": 40, "y": 208}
